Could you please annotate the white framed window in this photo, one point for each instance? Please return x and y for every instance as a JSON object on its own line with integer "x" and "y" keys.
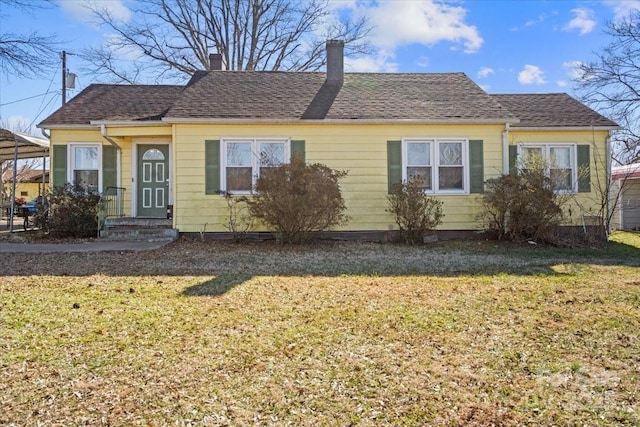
{"x": 560, "y": 163}
{"x": 245, "y": 159}
{"x": 85, "y": 162}
{"x": 442, "y": 164}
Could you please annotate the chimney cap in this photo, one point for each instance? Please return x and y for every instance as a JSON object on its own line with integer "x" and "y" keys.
{"x": 335, "y": 42}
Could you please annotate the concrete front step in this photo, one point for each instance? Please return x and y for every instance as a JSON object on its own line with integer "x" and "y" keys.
{"x": 149, "y": 234}
{"x": 149, "y": 229}
{"x": 138, "y": 222}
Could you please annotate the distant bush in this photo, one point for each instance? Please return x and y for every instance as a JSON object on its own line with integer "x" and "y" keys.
{"x": 415, "y": 212}
{"x": 297, "y": 199}
{"x": 73, "y": 211}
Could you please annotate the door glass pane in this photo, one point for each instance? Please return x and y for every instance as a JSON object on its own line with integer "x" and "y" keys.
{"x": 239, "y": 154}
{"x": 418, "y": 154}
{"x": 450, "y": 153}
{"x": 85, "y": 158}
{"x": 153, "y": 154}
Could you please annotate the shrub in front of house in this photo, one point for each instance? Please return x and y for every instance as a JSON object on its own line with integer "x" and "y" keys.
{"x": 297, "y": 199}
{"x": 522, "y": 206}
{"x": 73, "y": 211}
{"x": 415, "y": 212}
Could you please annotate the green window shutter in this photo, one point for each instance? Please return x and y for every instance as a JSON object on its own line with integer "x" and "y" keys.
{"x": 297, "y": 149}
{"x": 59, "y": 163}
{"x": 394, "y": 164}
{"x": 584, "y": 169}
{"x": 109, "y": 167}
{"x": 513, "y": 158}
{"x": 212, "y": 166}
{"x": 476, "y": 160}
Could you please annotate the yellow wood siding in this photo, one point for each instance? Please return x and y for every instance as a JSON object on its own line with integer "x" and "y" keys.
{"x": 359, "y": 149}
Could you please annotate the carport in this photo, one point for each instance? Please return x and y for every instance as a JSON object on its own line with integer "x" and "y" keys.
{"x": 15, "y": 146}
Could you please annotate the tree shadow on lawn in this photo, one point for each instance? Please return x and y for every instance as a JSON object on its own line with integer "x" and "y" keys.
{"x": 220, "y": 285}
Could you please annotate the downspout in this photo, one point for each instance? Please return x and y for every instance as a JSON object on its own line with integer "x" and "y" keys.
{"x": 103, "y": 132}
{"x": 505, "y": 149}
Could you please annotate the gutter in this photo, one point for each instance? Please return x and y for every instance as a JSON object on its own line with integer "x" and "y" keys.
{"x": 564, "y": 128}
{"x": 295, "y": 121}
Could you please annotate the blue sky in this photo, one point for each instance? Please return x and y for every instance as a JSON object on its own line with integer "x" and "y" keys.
{"x": 504, "y": 46}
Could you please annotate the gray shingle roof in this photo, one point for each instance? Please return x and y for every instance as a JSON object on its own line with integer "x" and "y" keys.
{"x": 435, "y": 97}
{"x": 551, "y": 110}
{"x": 100, "y": 102}
{"x": 363, "y": 96}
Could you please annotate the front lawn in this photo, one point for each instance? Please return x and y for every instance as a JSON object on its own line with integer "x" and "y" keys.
{"x": 457, "y": 333}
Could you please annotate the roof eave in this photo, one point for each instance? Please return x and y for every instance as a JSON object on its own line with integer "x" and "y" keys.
{"x": 66, "y": 126}
{"x": 182, "y": 120}
{"x": 564, "y": 128}
{"x": 130, "y": 123}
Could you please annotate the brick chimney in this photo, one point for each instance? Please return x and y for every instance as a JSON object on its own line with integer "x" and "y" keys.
{"x": 216, "y": 62}
{"x": 335, "y": 61}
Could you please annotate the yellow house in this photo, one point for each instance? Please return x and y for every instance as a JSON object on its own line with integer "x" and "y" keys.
{"x": 29, "y": 184}
{"x": 173, "y": 149}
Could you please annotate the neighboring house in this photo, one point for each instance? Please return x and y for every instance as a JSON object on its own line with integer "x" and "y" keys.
{"x": 29, "y": 184}
{"x": 626, "y": 186}
{"x": 180, "y": 146}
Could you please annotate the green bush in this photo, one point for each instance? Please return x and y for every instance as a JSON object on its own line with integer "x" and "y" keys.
{"x": 73, "y": 211}
{"x": 297, "y": 199}
{"x": 522, "y": 206}
{"x": 415, "y": 212}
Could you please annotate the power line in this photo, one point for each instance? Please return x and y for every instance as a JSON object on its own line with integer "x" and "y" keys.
{"x": 26, "y": 99}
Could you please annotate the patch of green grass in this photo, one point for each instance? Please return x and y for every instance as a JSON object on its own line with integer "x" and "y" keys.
{"x": 463, "y": 333}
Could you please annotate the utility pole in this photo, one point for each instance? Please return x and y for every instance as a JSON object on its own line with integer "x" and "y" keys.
{"x": 64, "y": 77}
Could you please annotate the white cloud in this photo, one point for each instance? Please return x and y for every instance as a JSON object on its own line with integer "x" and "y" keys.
{"x": 583, "y": 21}
{"x": 81, "y": 9}
{"x": 485, "y": 72}
{"x": 623, "y": 8}
{"x": 371, "y": 64}
{"x": 562, "y": 83}
{"x": 400, "y": 23}
{"x": 531, "y": 74}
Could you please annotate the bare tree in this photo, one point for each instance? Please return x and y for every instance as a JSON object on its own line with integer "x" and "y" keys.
{"x": 611, "y": 84}
{"x": 173, "y": 38}
{"x": 26, "y": 54}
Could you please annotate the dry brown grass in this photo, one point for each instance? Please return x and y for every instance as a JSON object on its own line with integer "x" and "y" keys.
{"x": 469, "y": 334}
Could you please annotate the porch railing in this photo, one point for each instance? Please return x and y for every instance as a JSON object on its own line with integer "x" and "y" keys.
{"x": 112, "y": 201}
